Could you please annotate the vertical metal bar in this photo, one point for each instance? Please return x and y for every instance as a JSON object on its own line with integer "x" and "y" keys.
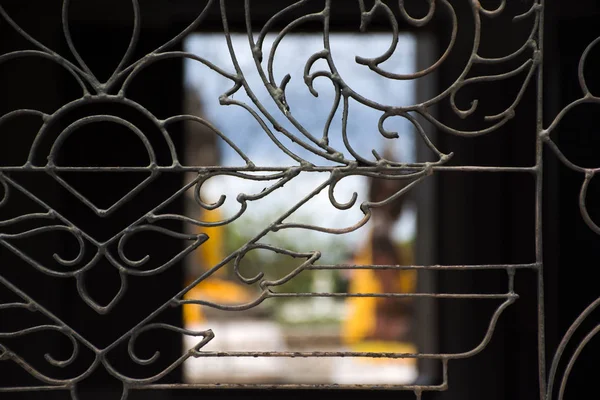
{"x": 539, "y": 176}
{"x": 425, "y": 243}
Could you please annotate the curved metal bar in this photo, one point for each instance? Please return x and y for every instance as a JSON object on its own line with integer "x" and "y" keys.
{"x": 564, "y": 342}
{"x": 50, "y": 228}
{"x": 71, "y": 45}
{"x": 581, "y": 67}
{"x": 373, "y": 63}
{"x": 71, "y": 106}
{"x": 261, "y": 246}
{"x": 42, "y": 377}
{"x": 582, "y": 206}
{"x": 190, "y": 28}
{"x": 357, "y": 165}
{"x": 135, "y": 35}
{"x": 152, "y": 58}
{"x": 242, "y": 307}
{"x": 277, "y": 93}
{"x": 197, "y": 238}
{"x": 206, "y": 335}
{"x": 25, "y": 217}
{"x": 443, "y": 158}
{"x": 5, "y": 192}
{"x": 574, "y": 357}
{"x": 61, "y": 60}
{"x": 68, "y": 131}
{"x": 487, "y": 78}
{"x": 18, "y": 113}
{"x": 36, "y": 53}
{"x": 131, "y": 381}
{"x": 217, "y": 132}
{"x": 492, "y": 13}
{"x": 418, "y": 22}
{"x": 85, "y": 296}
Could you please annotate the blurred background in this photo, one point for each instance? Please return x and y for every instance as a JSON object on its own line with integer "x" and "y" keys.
{"x": 334, "y": 324}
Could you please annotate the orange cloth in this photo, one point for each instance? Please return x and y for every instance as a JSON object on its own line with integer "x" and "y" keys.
{"x": 360, "y": 322}
{"x": 214, "y": 289}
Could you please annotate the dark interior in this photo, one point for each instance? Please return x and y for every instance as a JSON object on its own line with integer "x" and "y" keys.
{"x": 481, "y": 217}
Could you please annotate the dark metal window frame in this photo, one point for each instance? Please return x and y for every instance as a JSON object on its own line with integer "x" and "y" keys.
{"x": 94, "y": 91}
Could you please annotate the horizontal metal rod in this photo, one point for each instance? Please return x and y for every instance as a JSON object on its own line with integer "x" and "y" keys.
{"x": 290, "y": 386}
{"x": 428, "y": 267}
{"x": 33, "y": 388}
{"x": 318, "y": 354}
{"x": 401, "y": 295}
{"x": 176, "y": 168}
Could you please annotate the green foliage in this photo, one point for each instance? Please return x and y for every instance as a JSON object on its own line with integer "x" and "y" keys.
{"x": 334, "y": 249}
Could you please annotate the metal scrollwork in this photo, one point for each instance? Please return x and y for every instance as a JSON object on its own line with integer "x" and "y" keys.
{"x": 337, "y": 163}
{"x": 554, "y": 379}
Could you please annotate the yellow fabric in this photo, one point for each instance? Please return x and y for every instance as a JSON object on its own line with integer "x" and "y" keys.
{"x": 361, "y": 321}
{"x": 386, "y": 347}
{"x": 211, "y": 252}
{"x": 214, "y": 289}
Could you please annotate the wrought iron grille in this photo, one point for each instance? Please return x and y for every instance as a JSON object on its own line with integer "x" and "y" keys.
{"x": 335, "y": 163}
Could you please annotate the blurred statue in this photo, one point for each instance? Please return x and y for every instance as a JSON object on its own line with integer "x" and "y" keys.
{"x": 381, "y": 324}
{"x": 201, "y": 149}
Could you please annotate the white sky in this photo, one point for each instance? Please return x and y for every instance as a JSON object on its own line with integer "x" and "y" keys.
{"x": 312, "y": 113}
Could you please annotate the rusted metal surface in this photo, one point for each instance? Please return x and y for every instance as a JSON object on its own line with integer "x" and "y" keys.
{"x": 335, "y": 164}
